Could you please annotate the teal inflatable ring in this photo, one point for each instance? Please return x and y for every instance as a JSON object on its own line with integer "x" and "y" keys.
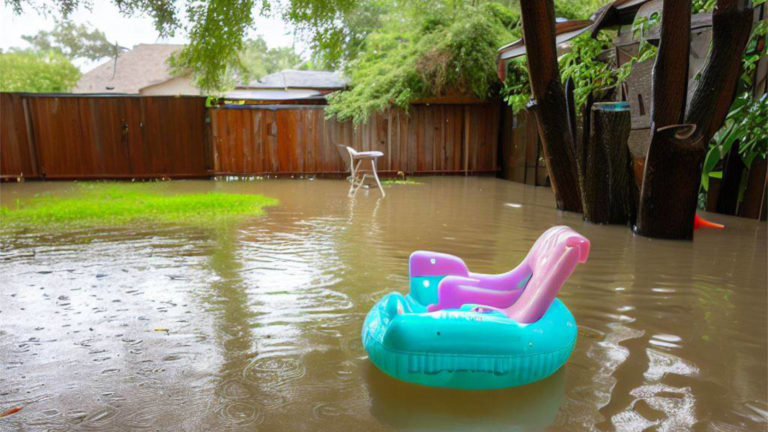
{"x": 465, "y": 348}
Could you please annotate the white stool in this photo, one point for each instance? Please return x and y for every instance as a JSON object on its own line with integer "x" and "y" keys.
{"x": 355, "y": 159}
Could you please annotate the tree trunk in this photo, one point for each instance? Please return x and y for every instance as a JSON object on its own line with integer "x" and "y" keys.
{"x": 669, "y": 193}
{"x": 610, "y": 194}
{"x": 670, "y": 72}
{"x": 549, "y": 103}
{"x": 672, "y": 172}
{"x": 731, "y": 28}
{"x": 673, "y": 149}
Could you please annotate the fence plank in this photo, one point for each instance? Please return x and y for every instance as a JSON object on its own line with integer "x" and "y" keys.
{"x": 16, "y": 147}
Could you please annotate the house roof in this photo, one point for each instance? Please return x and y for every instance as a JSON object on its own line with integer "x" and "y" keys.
{"x": 273, "y": 94}
{"x": 143, "y": 66}
{"x": 298, "y": 79}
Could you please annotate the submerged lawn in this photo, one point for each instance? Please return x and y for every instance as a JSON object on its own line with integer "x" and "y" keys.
{"x": 390, "y": 181}
{"x": 121, "y": 203}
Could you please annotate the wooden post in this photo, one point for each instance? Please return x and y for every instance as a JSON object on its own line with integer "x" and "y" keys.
{"x": 549, "y": 103}
{"x": 728, "y": 198}
{"x": 610, "y": 192}
{"x": 466, "y": 140}
{"x": 30, "y": 138}
{"x": 389, "y": 139}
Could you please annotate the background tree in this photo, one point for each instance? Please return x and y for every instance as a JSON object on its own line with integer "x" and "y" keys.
{"x": 216, "y": 29}
{"x": 74, "y": 41}
{"x": 444, "y": 48}
{"x": 257, "y": 60}
{"x": 35, "y": 71}
{"x": 344, "y": 38}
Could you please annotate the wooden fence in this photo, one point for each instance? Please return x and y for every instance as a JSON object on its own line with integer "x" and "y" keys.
{"x": 520, "y": 149}
{"x": 72, "y": 136}
{"x": 69, "y": 137}
{"x": 299, "y": 140}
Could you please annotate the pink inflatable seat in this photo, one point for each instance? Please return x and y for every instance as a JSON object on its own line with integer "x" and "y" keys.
{"x": 523, "y": 294}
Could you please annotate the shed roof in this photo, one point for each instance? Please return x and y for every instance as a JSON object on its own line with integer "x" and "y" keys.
{"x": 143, "y": 66}
{"x": 298, "y": 79}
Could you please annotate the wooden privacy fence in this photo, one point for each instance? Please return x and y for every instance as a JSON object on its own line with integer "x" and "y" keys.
{"x": 73, "y": 136}
{"x": 521, "y": 156}
{"x": 430, "y": 139}
{"x": 69, "y": 137}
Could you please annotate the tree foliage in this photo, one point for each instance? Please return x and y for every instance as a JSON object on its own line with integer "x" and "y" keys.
{"x": 73, "y": 41}
{"x": 257, "y": 60}
{"x": 585, "y": 62}
{"x": 747, "y": 122}
{"x": 343, "y": 39}
{"x": 216, "y": 29}
{"x": 578, "y": 9}
{"x": 447, "y": 49}
{"x": 37, "y": 72}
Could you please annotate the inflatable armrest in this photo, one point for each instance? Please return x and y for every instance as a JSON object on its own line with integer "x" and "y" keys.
{"x": 425, "y": 263}
{"x": 454, "y": 292}
{"x": 514, "y": 279}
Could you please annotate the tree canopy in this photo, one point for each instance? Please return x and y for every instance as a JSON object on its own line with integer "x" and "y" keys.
{"x": 257, "y": 60}
{"x": 73, "y": 41}
{"x": 446, "y": 48}
{"x": 37, "y": 72}
{"x": 217, "y": 29}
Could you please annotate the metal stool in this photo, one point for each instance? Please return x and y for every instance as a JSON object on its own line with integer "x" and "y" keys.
{"x": 356, "y": 158}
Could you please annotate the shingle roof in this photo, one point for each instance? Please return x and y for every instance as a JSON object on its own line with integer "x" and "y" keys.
{"x": 144, "y": 65}
{"x": 301, "y": 79}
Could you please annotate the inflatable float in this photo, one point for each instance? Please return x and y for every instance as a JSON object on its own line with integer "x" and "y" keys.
{"x": 467, "y": 330}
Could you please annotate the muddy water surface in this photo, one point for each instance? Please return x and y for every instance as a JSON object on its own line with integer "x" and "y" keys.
{"x": 263, "y": 318}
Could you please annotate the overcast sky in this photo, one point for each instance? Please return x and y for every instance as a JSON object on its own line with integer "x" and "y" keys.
{"x": 126, "y": 31}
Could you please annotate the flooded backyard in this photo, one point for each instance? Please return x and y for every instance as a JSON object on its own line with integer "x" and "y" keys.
{"x": 256, "y": 325}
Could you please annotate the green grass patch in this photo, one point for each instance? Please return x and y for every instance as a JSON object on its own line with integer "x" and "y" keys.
{"x": 112, "y": 204}
{"x": 387, "y": 182}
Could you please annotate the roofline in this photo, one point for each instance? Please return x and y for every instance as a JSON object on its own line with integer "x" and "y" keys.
{"x": 287, "y": 88}
{"x": 100, "y": 95}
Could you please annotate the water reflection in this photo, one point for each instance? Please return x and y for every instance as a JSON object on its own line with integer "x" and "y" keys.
{"x": 407, "y": 407}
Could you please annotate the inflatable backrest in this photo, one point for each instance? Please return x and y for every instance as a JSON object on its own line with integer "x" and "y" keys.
{"x": 551, "y": 260}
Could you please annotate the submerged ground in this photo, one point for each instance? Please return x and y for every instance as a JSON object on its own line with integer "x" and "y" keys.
{"x": 255, "y": 325}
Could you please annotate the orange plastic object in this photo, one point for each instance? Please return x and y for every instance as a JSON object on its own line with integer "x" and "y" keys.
{"x": 699, "y": 222}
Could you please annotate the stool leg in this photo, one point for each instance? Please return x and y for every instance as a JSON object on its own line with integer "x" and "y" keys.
{"x": 359, "y": 184}
{"x": 353, "y": 177}
{"x": 376, "y": 176}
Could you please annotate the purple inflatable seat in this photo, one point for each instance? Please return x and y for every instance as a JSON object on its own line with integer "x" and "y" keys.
{"x": 524, "y": 293}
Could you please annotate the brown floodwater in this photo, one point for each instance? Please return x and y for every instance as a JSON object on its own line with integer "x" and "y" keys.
{"x": 264, "y": 317}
